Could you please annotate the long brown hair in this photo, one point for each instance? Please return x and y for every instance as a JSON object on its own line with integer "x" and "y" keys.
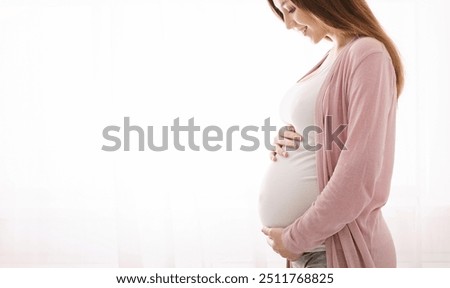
{"x": 353, "y": 17}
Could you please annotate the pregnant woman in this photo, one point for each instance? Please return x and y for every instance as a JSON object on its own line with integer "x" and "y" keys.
{"x": 320, "y": 203}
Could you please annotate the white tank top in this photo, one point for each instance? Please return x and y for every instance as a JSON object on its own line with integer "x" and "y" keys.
{"x": 298, "y": 105}
{"x": 290, "y": 184}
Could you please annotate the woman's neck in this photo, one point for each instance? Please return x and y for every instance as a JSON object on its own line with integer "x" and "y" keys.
{"x": 340, "y": 40}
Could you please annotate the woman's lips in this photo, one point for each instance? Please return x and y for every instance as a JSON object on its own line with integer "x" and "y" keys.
{"x": 303, "y": 30}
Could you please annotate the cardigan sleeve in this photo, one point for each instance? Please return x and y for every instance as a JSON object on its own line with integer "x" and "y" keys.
{"x": 351, "y": 188}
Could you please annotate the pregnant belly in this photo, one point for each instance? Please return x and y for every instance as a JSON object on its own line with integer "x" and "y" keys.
{"x": 288, "y": 189}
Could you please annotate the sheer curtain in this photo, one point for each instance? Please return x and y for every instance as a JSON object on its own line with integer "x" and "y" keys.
{"x": 69, "y": 69}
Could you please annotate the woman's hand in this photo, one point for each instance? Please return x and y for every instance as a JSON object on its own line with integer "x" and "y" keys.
{"x": 287, "y": 137}
{"x": 275, "y": 241}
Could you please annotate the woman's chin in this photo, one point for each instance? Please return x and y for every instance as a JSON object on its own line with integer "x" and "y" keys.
{"x": 313, "y": 40}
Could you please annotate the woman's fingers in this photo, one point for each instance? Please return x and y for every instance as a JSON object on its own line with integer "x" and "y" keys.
{"x": 280, "y": 150}
{"x": 289, "y": 143}
{"x": 273, "y": 156}
{"x": 286, "y": 140}
{"x": 266, "y": 230}
{"x": 292, "y": 135}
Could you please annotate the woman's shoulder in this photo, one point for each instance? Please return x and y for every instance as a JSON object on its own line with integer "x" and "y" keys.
{"x": 362, "y": 47}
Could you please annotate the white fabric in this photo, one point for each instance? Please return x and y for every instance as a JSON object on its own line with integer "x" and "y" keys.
{"x": 290, "y": 184}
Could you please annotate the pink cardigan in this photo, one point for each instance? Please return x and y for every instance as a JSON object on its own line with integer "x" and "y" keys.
{"x": 360, "y": 92}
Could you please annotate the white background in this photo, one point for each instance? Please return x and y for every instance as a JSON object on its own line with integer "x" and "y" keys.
{"x": 68, "y": 69}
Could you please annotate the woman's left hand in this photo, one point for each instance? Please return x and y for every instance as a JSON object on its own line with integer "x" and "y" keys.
{"x": 275, "y": 241}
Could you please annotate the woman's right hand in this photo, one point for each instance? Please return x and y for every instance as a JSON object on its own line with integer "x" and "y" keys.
{"x": 287, "y": 137}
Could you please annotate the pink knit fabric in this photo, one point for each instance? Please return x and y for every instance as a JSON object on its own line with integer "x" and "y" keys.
{"x": 360, "y": 92}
